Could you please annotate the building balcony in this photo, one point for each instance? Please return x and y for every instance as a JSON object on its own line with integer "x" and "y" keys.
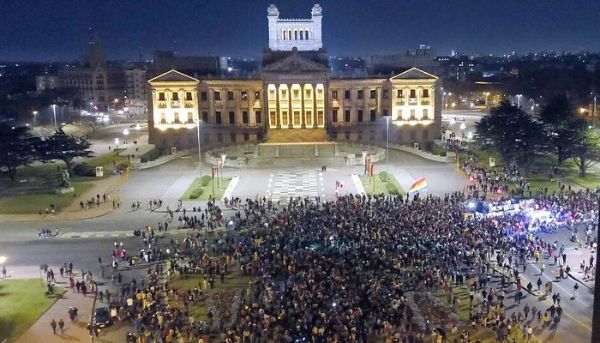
{"x": 175, "y": 104}
{"x": 425, "y": 102}
{"x": 400, "y": 102}
{"x": 413, "y": 101}
{"x": 162, "y": 104}
{"x": 189, "y": 104}
{"x": 412, "y": 122}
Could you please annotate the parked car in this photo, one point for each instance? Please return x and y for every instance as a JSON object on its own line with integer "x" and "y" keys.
{"x": 102, "y": 317}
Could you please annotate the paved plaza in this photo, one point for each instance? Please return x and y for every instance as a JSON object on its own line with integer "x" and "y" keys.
{"x": 83, "y": 241}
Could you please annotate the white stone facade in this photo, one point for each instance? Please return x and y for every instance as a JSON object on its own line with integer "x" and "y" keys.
{"x": 303, "y": 34}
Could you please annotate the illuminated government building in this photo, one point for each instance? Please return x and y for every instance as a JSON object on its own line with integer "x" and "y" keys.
{"x": 294, "y": 98}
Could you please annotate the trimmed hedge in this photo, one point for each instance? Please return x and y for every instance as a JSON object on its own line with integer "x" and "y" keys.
{"x": 205, "y": 180}
{"x": 391, "y": 188}
{"x": 150, "y": 155}
{"x": 196, "y": 193}
{"x": 383, "y": 176}
{"x": 84, "y": 169}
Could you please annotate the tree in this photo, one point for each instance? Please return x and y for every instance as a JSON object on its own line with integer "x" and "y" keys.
{"x": 586, "y": 151}
{"x": 563, "y": 127}
{"x": 511, "y": 132}
{"x": 16, "y": 148}
{"x": 63, "y": 147}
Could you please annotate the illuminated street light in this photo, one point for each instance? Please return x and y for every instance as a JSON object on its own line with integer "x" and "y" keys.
{"x": 35, "y": 113}
{"x": 2, "y": 259}
{"x": 125, "y": 132}
{"x": 463, "y": 126}
{"x": 54, "y": 111}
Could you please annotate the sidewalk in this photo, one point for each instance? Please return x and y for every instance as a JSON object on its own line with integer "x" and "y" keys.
{"x": 41, "y": 331}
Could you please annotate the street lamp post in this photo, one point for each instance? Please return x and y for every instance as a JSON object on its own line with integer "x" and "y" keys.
{"x": 54, "y": 111}
{"x": 387, "y": 144}
{"x": 35, "y": 113}
{"x": 223, "y": 156}
{"x": 199, "y": 151}
{"x": 596, "y": 314}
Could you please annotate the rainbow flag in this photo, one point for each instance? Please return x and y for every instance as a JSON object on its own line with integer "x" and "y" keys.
{"x": 419, "y": 185}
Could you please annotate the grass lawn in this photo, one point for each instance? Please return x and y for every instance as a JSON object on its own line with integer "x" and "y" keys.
{"x": 591, "y": 180}
{"x": 233, "y": 281}
{"x": 22, "y": 302}
{"x": 206, "y": 191}
{"x": 32, "y": 203}
{"x": 376, "y": 185}
{"x": 106, "y": 160}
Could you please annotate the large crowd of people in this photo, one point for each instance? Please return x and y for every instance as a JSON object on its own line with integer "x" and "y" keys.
{"x": 339, "y": 271}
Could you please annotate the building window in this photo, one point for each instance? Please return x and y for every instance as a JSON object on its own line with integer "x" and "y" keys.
{"x": 205, "y": 117}
{"x": 308, "y": 93}
{"x": 245, "y": 117}
{"x": 231, "y": 117}
{"x": 360, "y": 116}
{"x": 257, "y": 95}
{"x": 346, "y": 95}
{"x": 425, "y": 114}
{"x": 272, "y": 94}
{"x": 176, "y": 115}
{"x": 175, "y": 96}
{"x": 306, "y": 34}
{"x": 385, "y": 94}
{"x": 284, "y": 93}
{"x": 373, "y": 115}
{"x": 272, "y": 118}
{"x": 347, "y": 116}
{"x": 229, "y": 95}
{"x": 217, "y": 95}
{"x": 334, "y": 95}
{"x": 360, "y": 94}
{"x": 399, "y": 93}
{"x": 412, "y": 115}
{"x": 244, "y": 95}
{"x": 373, "y": 94}
{"x": 161, "y": 96}
{"x": 426, "y": 93}
{"x": 218, "y": 117}
{"x": 296, "y": 93}
{"x": 163, "y": 118}
{"x": 246, "y": 137}
{"x": 190, "y": 117}
{"x": 203, "y": 96}
{"x": 257, "y": 117}
{"x": 334, "y": 115}
{"x": 188, "y": 96}
{"x": 385, "y": 112}
{"x": 413, "y": 93}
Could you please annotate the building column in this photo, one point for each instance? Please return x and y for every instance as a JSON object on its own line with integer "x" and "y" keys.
{"x": 302, "y": 109}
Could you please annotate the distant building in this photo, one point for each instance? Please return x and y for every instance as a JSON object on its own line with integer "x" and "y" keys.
{"x": 423, "y": 58}
{"x": 46, "y": 82}
{"x": 95, "y": 82}
{"x": 294, "y": 91}
{"x": 135, "y": 90}
{"x": 164, "y": 61}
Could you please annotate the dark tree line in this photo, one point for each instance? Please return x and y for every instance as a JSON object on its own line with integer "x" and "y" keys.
{"x": 18, "y": 147}
{"x": 519, "y": 137}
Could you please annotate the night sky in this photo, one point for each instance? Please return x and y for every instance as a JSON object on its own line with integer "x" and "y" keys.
{"x": 50, "y": 30}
